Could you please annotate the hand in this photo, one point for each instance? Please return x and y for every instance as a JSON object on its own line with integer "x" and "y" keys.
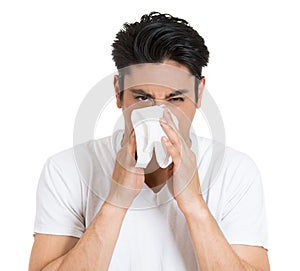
{"x": 185, "y": 185}
{"x": 127, "y": 180}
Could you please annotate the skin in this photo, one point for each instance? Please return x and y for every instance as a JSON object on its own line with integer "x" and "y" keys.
{"x": 182, "y": 106}
{"x": 94, "y": 249}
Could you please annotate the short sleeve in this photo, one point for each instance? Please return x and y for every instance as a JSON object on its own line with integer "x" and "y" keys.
{"x": 58, "y": 208}
{"x": 244, "y": 218}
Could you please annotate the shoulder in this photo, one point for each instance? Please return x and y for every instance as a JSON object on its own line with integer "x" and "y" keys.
{"x": 231, "y": 158}
{"x": 225, "y": 166}
{"x": 81, "y": 164}
{"x": 69, "y": 158}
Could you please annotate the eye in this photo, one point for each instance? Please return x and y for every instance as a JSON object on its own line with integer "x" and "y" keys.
{"x": 141, "y": 98}
{"x": 176, "y": 99}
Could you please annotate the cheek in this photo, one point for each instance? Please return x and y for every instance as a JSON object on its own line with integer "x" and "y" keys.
{"x": 186, "y": 112}
{"x": 185, "y": 117}
{"x": 127, "y": 98}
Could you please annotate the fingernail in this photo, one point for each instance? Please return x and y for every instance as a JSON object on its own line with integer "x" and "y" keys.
{"x": 168, "y": 110}
{"x": 165, "y": 139}
{"x": 163, "y": 121}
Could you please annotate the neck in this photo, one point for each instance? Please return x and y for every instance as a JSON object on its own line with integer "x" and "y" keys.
{"x": 154, "y": 175}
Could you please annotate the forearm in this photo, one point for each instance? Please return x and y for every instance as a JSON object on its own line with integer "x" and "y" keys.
{"x": 212, "y": 250}
{"x": 95, "y": 248}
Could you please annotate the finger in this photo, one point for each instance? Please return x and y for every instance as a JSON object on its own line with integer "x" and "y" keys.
{"x": 171, "y": 133}
{"x": 168, "y": 117}
{"x": 132, "y": 144}
{"x": 172, "y": 150}
{"x": 130, "y": 151}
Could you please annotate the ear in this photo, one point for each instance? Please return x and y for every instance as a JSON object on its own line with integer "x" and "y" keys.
{"x": 117, "y": 91}
{"x": 200, "y": 91}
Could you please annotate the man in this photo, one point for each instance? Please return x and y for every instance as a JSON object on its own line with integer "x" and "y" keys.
{"x": 97, "y": 211}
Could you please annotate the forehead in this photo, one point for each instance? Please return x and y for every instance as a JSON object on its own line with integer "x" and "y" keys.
{"x": 160, "y": 74}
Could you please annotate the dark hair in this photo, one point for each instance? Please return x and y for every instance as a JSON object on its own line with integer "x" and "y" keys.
{"x": 158, "y": 37}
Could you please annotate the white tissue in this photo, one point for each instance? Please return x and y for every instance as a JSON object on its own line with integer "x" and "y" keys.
{"x": 148, "y": 133}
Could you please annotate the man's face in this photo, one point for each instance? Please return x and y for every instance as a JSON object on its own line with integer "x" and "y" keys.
{"x": 169, "y": 83}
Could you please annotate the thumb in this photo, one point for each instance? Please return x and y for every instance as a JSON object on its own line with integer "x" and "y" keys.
{"x": 132, "y": 144}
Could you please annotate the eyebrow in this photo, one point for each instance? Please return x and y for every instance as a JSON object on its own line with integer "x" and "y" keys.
{"x": 141, "y": 92}
{"x": 172, "y": 94}
{"x": 177, "y": 93}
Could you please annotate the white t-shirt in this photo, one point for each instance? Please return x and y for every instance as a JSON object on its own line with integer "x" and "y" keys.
{"x": 154, "y": 235}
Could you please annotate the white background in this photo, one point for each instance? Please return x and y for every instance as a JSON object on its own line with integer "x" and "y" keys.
{"x": 53, "y": 52}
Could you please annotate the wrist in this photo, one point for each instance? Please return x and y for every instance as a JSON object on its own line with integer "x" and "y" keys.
{"x": 195, "y": 209}
{"x": 110, "y": 207}
{"x": 120, "y": 197}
